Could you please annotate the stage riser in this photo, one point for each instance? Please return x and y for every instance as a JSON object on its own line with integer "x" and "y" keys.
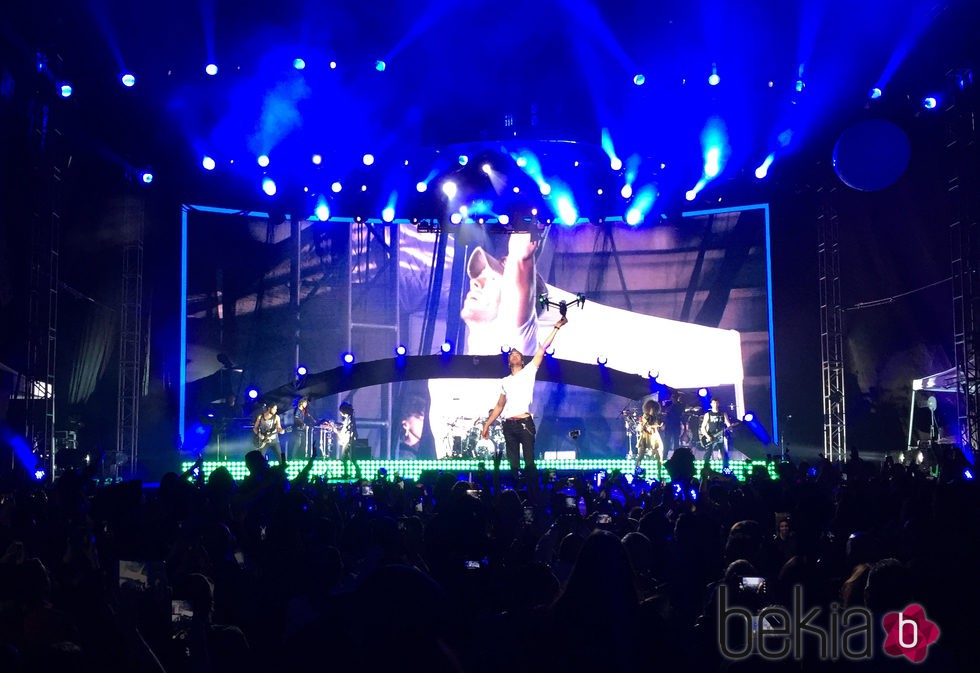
{"x": 333, "y": 470}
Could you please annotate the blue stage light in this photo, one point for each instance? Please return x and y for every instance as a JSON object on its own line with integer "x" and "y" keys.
{"x": 447, "y": 346}
{"x": 421, "y": 186}
{"x": 380, "y": 66}
{"x": 504, "y": 219}
{"x": 128, "y": 80}
{"x": 146, "y": 177}
{"x": 252, "y": 393}
{"x": 615, "y": 163}
{"x": 567, "y": 214}
{"x": 703, "y": 392}
{"x": 449, "y": 188}
{"x": 336, "y": 187}
{"x": 211, "y": 69}
{"x": 368, "y": 159}
{"x": 633, "y": 217}
{"x": 400, "y": 350}
{"x": 333, "y": 65}
{"x": 639, "y": 79}
{"x": 602, "y": 360}
{"x": 763, "y": 170}
{"x": 348, "y": 358}
{"x": 690, "y": 195}
{"x": 712, "y": 162}
{"x": 463, "y": 160}
{"x": 322, "y": 210}
{"x": 263, "y": 160}
{"x": 748, "y": 417}
{"x": 40, "y": 473}
{"x": 269, "y": 186}
{"x": 968, "y": 474}
{"x": 875, "y": 93}
{"x": 66, "y": 90}
{"x": 800, "y": 85}
{"x": 317, "y": 159}
{"x": 626, "y": 191}
{"x": 299, "y": 63}
{"x": 930, "y": 102}
{"x": 208, "y": 163}
{"x": 388, "y": 214}
{"x": 301, "y": 370}
{"x": 713, "y": 78}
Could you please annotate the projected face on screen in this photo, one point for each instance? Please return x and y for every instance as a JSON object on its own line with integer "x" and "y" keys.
{"x": 482, "y": 302}
{"x": 685, "y": 301}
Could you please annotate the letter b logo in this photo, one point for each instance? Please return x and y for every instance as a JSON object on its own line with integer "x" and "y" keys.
{"x": 909, "y": 633}
{"x": 904, "y": 622}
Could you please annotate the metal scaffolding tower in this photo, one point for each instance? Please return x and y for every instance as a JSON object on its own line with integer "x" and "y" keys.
{"x": 961, "y": 149}
{"x": 130, "y": 332}
{"x": 372, "y": 315}
{"x": 49, "y": 163}
{"x": 831, "y": 332}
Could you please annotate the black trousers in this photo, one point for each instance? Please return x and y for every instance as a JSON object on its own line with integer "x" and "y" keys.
{"x": 519, "y": 436}
{"x": 300, "y": 442}
{"x": 721, "y": 445}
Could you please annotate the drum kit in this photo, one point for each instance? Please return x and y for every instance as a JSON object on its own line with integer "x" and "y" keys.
{"x": 464, "y": 439}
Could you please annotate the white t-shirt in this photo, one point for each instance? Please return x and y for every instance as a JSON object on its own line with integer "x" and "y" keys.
{"x": 490, "y": 338}
{"x": 519, "y": 391}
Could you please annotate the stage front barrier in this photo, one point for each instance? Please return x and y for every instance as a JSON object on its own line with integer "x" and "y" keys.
{"x": 333, "y": 470}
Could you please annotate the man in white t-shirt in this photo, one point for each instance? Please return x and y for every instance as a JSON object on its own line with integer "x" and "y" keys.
{"x": 514, "y": 405}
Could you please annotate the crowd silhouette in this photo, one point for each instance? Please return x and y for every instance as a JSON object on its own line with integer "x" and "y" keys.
{"x": 201, "y": 573}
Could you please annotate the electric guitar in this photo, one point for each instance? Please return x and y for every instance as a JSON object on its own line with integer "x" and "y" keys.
{"x": 344, "y": 434}
{"x": 264, "y": 439}
{"x": 651, "y": 427}
{"x": 714, "y": 437}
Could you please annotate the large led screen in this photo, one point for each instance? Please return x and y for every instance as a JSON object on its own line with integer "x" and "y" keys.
{"x": 682, "y": 303}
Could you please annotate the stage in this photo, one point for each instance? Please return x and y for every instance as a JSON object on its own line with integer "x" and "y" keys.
{"x": 332, "y": 469}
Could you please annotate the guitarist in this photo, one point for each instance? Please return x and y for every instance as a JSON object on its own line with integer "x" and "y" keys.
{"x": 267, "y": 429}
{"x": 346, "y": 432}
{"x": 303, "y": 420}
{"x": 714, "y": 425}
{"x": 649, "y": 440}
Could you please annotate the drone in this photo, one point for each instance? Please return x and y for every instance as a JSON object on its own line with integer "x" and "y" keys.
{"x": 563, "y": 305}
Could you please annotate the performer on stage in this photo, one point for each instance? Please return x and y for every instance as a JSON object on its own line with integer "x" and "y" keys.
{"x": 346, "y": 433}
{"x": 649, "y": 440}
{"x": 303, "y": 421}
{"x": 714, "y": 426}
{"x": 514, "y": 403}
{"x": 267, "y": 429}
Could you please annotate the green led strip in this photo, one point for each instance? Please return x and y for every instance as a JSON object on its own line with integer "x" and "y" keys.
{"x": 333, "y": 469}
